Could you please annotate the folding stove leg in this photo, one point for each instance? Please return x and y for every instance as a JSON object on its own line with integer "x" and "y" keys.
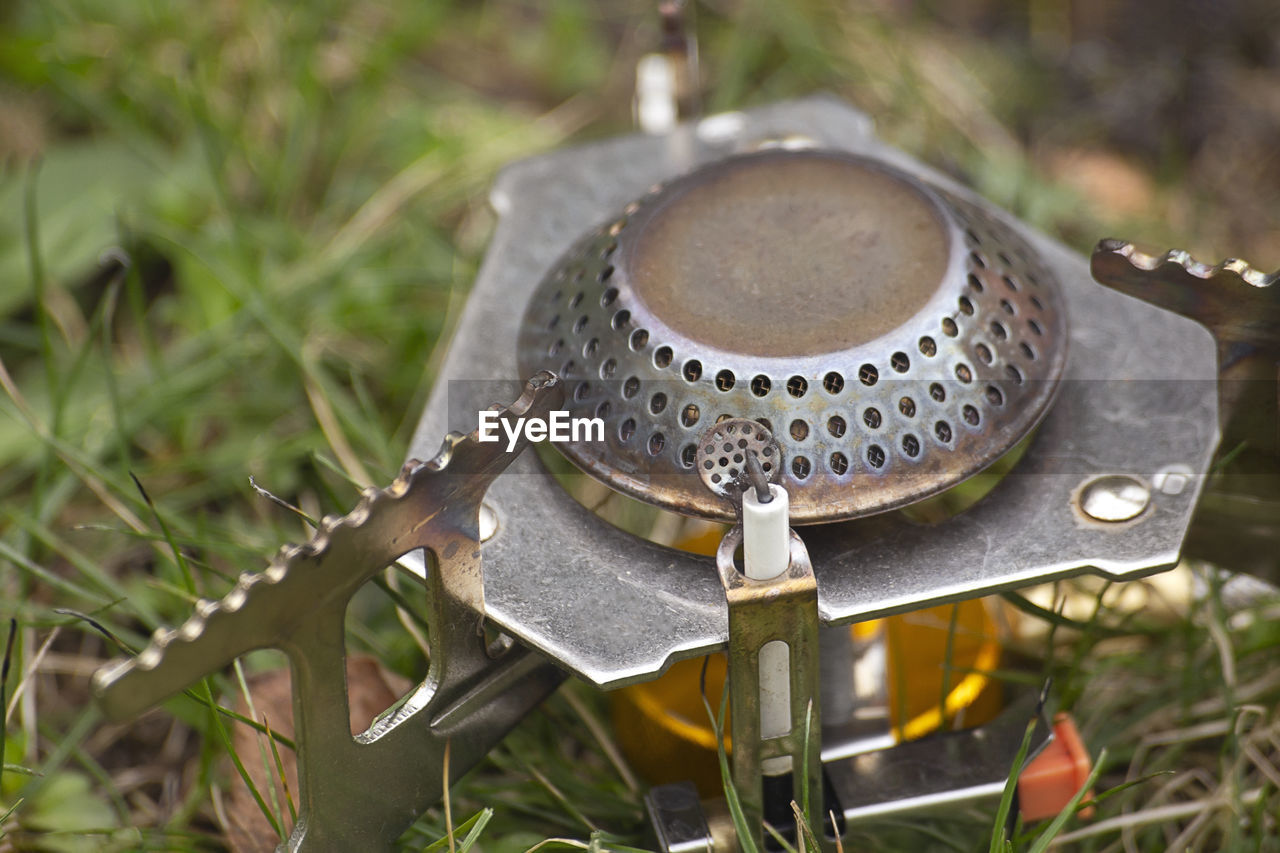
{"x": 760, "y": 612}
{"x": 361, "y": 792}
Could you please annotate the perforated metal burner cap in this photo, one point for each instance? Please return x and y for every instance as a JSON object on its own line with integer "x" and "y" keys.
{"x": 894, "y": 338}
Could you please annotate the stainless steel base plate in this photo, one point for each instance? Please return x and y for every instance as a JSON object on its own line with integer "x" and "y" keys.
{"x": 1107, "y": 485}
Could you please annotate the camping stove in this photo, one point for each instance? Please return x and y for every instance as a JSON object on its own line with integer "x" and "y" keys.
{"x": 766, "y": 306}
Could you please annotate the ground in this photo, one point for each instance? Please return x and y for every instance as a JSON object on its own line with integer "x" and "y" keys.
{"x": 231, "y": 238}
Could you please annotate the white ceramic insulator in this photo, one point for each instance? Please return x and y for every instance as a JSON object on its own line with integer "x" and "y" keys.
{"x": 766, "y": 536}
{"x": 766, "y": 546}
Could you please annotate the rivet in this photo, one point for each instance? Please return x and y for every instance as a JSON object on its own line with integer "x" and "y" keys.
{"x": 1114, "y": 498}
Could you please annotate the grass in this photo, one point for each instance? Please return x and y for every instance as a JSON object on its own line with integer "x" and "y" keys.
{"x": 232, "y": 238}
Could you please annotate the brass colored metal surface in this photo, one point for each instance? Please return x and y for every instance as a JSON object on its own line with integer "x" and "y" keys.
{"x": 362, "y": 792}
{"x": 778, "y": 255}
{"x": 784, "y": 608}
{"x": 897, "y": 339}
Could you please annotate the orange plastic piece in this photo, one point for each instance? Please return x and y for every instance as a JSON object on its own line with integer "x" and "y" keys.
{"x": 1052, "y": 778}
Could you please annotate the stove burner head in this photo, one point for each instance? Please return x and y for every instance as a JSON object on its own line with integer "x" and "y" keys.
{"x": 894, "y": 338}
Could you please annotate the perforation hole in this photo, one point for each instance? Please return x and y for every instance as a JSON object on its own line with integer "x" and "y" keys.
{"x": 875, "y": 456}
{"x": 609, "y": 368}
{"x": 797, "y": 386}
{"x": 576, "y": 300}
{"x": 911, "y": 446}
{"x": 800, "y": 467}
{"x": 692, "y": 371}
{"x": 608, "y": 297}
{"x": 760, "y": 385}
{"x": 569, "y": 368}
{"x": 657, "y": 441}
{"x": 971, "y": 416}
{"x": 868, "y": 375}
{"x": 662, "y": 357}
{"x": 609, "y": 249}
{"x": 972, "y": 237}
{"x": 627, "y": 429}
{"x": 1008, "y": 307}
{"x": 553, "y": 322}
{"x": 605, "y": 274}
{"x": 724, "y": 380}
{"x": 1035, "y": 327}
{"x": 555, "y": 348}
{"x": 1035, "y": 300}
{"x": 590, "y": 348}
{"x": 949, "y": 327}
{"x": 799, "y": 429}
{"x": 928, "y": 347}
{"x": 767, "y": 424}
{"x": 620, "y": 319}
{"x": 1027, "y": 350}
{"x": 907, "y": 406}
{"x": 963, "y": 373}
{"x": 942, "y": 430}
{"x": 994, "y": 396}
{"x": 836, "y": 425}
{"x": 900, "y": 362}
{"x": 631, "y": 387}
{"x": 1009, "y": 283}
{"x": 1004, "y": 259}
{"x": 604, "y": 410}
{"x": 984, "y": 353}
{"x": 977, "y": 260}
{"x": 689, "y": 415}
{"x": 999, "y": 331}
{"x": 871, "y": 417}
{"x": 639, "y": 338}
{"x": 581, "y": 392}
{"x": 975, "y": 283}
{"x": 688, "y": 455}
{"x": 966, "y": 307}
{"x": 833, "y": 382}
{"x": 839, "y": 463}
{"x": 937, "y": 392}
{"x": 657, "y": 403}
{"x": 1013, "y": 373}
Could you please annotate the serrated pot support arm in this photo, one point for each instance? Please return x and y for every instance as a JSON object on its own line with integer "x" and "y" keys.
{"x": 360, "y": 792}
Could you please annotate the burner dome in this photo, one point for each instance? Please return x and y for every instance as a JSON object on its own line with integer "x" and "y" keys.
{"x": 894, "y": 338}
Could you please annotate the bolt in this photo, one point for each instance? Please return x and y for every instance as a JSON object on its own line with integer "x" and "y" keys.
{"x": 1114, "y": 498}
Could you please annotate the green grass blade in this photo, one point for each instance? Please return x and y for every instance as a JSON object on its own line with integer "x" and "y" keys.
{"x": 999, "y": 830}
{"x": 1050, "y": 832}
